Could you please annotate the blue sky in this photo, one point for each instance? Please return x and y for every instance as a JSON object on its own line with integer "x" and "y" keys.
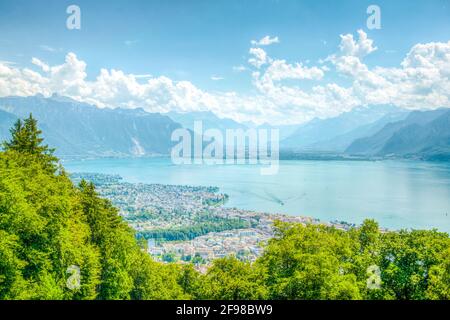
{"x": 197, "y": 40}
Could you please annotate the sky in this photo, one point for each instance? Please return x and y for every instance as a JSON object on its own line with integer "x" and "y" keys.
{"x": 274, "y": 61}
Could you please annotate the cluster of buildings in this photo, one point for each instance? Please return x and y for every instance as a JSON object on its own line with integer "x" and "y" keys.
{"x": 167, "y": 207}
{"x": 246, "y": 244}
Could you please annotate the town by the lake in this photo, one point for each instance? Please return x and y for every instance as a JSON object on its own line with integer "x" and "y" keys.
{"x": 191, "y": 223}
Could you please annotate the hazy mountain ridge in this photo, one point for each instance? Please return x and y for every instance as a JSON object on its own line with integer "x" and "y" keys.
{"x": 82, "y": 130}
{"x": 79, "y": 129}
{"x": 335, "y": 134}
{"x": 341, "y": 142}
{"x": 423, "y": 134}
{"x": 6, "y": 121}
{"x": 208, "y": 119}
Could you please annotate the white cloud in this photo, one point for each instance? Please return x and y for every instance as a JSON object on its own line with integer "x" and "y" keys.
{"x": 216, "y": 78}
{"x": 360, "y": 48}
{"x": 48, "y": 48}
{"x": 265, "y": 41}
{"x": 239, "y": 68}
{"x": 422, "y": 80}
{"x": 7, "y": 63}
{"x": 40, "y": 64}
{"x": 279, "y": 70}
{"x": 142, "y": 76}
{"x": 259, "y": 57}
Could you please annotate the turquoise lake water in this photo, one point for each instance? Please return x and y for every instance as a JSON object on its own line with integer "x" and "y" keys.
{"x": 398, "y": 194}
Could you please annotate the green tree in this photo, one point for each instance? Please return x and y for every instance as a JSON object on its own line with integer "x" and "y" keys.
{"x": 310, "y": 262}
{"x": 439, "y": 282}
{"x": 408, "y": 257}
{"x": 189, "y": 280}
{"x": 366, "y": 254}
{"x": 26, "y": 138}
{"x": 230, "y": 279}
{"x": 369, "y": 236}
{"x": 39, "y": 212}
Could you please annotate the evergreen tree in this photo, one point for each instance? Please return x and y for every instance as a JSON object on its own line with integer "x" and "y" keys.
{"x": 26, "y": 138}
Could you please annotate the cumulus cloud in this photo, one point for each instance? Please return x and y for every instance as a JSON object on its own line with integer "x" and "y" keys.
{"x": 115, "y": 88}
{"x": 358, "y": 48}
{"x": 269, "y": 82}
{"x": 421, "y": 80}
{"x": 143, "y": 76}
{"x": 40, "y": 64}
{"x": 259, "y": 57}
{"x": 279, "y": 70}
{"x": 265, "y": 41}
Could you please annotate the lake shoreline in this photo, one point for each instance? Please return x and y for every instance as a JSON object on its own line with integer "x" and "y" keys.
{"x": 400, "y": 194}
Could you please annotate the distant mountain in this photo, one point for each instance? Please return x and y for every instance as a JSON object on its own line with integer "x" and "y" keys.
{"x": 79, "y": 129}
{"x": 423, "y": 134}
{"x": 285, "y": 131}
{"x": 335, "y": 134}
{"x": 341, "y": 142}
{"x": 6, "y": 121}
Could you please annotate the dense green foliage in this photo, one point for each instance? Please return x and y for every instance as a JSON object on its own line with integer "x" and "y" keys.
{"x": 48, "y": 225}
{"x": 318, "y": 262}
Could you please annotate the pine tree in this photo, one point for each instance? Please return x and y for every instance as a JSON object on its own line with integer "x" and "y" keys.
{"x": 17, "y": 136}
{"x": 26, "y": 138}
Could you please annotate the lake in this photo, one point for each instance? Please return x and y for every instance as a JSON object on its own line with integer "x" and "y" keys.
{"x": 398, "y": 194}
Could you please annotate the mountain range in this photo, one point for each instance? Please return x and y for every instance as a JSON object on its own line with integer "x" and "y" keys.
{"x": 208, "y": 119}
{"x": 211, "y": 121}
{"x": 337, "y": 133}
{"x": 81, "y": 130}
{"x": 78, "y": 129}
{"x": 422, "y": 134}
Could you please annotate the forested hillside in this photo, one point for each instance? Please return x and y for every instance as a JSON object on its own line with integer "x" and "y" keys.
{"x": 47, "y": 225}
